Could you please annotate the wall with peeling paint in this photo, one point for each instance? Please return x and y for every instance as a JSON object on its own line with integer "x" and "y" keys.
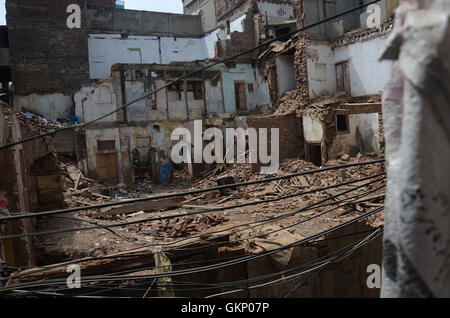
{"x": 247, "y": 74}
{"x": 213, "y": 98}
{"x": 321, "y": 69}
{"x": 312, "y": 130}
{"x": 50, "y": 106}
{"x": 98, "y": 102}
{"x": 94, "y": 135}
{"x": 368, "y": 75}
{"x": 347, "y": 143}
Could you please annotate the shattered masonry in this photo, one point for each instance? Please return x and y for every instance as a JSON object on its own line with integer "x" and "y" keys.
{"x": 322, "y": 88}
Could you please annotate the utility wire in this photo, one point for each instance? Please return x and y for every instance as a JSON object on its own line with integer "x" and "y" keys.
{"x": 93, "y": 279}
{"x": 307, "y": 208}
{"x": 337, "y": 255}
{"x": 191, "y": 74}
{"x": 107, "y": 286}
{"x": 329, "y": 262}
{"x": 260, "y": 223}
{"x": 42, "y": 269}
{"x": 152, "y": 219}
{"x": 277, "y": 219}
{"x": 180, "y": 194}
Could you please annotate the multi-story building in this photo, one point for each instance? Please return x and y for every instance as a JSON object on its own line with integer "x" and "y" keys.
{"x": 118, "y": 55}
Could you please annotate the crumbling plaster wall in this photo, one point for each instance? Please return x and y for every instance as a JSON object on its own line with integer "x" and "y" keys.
{"x": 97, "y": 102}
{"x": 347, "y": 143}
{"x": 51, "y": 62}
{"x": 286, "y": 73}
{"x": 321, "y": 69}
{"x": 312, "y": 130}
{"x": 368, "y": 75}
{"x": 94, "y": 135}
{"x": 245, "y": 73}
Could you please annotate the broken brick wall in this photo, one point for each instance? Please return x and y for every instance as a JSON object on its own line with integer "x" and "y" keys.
{"x": 291, "y": 140}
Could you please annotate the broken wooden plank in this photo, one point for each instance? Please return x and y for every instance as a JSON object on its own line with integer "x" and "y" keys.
{"x": 146, "y": 206}
{"x": 77, "y": 182}
{"x": 131, "y": 260}
{"x": 195, "y": 198}
{"x": 303, "y": 181}
{"x": 205, "y": 207}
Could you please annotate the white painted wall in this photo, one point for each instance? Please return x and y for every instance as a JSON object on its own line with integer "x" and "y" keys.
{"x": 369, "y": 129}
{"x": 213, "y": 95}
{"x": 183, "y": 50}
{"x": 312, "y": 130}
{"x": 244, "y": 73}
{"x": 50, "y": 106}
{"x": 210, "y": 43}
{"x": 368, "y": 75}
{"x": 99, "y": 102}
{"x": 348, "y": 143}
{"x": 78, "y": 99}
{"x": 238, "y": 24}
{"x": 286, "y": 73}
{"x": 321, "y": 69}
{"x": 106, "y": 50}
{"x": 273, "y": 10}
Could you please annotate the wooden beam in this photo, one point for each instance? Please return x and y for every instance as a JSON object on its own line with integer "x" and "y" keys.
{"x": 117, "y": 262}
{"x": 146, "y": 206}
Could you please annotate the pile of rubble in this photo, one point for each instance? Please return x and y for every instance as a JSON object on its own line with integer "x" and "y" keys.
{"x": 186, "y": 226}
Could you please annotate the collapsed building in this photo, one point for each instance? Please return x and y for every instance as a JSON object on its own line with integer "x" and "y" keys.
{"x": 321, "y": 88}
{"x": 113, "y": 61}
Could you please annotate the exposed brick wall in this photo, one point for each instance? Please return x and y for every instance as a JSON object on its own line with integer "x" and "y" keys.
{"x": 241, "y": 41}
{"x": 291, "y": 141}
{"x": 45, "y": 55}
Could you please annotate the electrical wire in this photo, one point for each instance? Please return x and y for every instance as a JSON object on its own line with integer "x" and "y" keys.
{"x": 152, "y": 219}
{"x": 91, "y": 279}
{"x": 233, "y": 233}
{"x": 234, "y": 283}
{"x": 283, "y": 37}
{"x": 180, "y": 194}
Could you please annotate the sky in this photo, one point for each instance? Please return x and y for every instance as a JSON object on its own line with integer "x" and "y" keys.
{"x": 2, "y": 12}
{"x": 174, "y": 6}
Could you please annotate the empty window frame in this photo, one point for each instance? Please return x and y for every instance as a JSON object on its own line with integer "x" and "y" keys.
{"x": 195, "y": 90}
{"x": 142, "y": 142}
{"x": 342, "y": 124}
{"x": 175, "y": 91}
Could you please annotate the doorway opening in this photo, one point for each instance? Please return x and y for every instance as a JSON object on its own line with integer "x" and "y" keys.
{"x": 240, "y": 95}
{"x": 314, "y": 153}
